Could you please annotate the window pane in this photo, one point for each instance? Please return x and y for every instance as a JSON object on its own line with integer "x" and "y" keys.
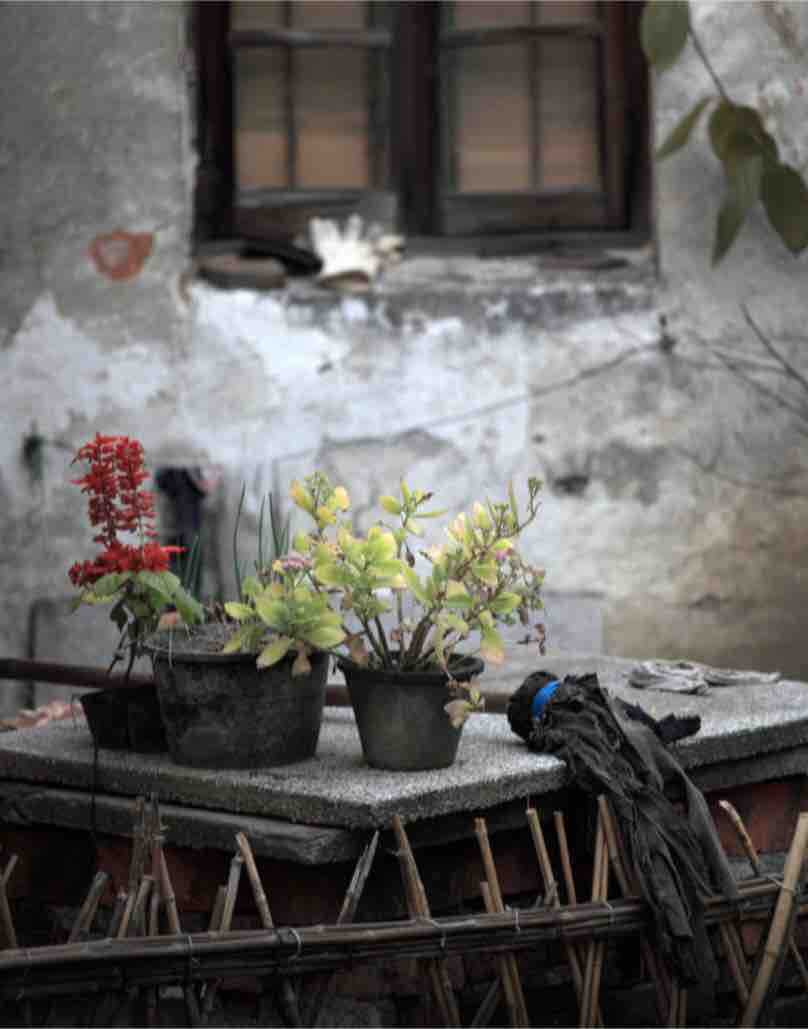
{"x": 492, "y": 118}
{"x": 568, "y": 113}
{"x": 260, "y": 119}
{"x": 261, "y": 14}
{"x": 479, "y": 14}
{"x": 550, "y": 11}
{"x": 317, "y": 15}
{"x": 331, "y": 110}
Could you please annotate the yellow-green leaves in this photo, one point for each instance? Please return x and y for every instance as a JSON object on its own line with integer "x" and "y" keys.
{"x": 415, "y": 584}
{"x": 457, "y": 596}
{"x": 275, "y": 652}
{"x": 325, "y": 636}
{"x": 341, "y": 499}
{"x": 239, "y": 611}
{"x": 505, "y": 603}
{"x": 492, "y": 647}
{"x": 302, "y": 497}
{"x": 390, "y": 505}
{"x": 664, "y": 28}
{"x": 271, "y": 611}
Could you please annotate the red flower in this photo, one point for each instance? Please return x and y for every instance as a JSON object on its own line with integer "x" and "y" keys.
{"x": 117, "y": 503}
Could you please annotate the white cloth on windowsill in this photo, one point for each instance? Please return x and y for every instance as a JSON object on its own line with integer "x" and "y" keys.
{"x": 693, "y": 677}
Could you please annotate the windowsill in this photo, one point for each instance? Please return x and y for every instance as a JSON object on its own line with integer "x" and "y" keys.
{"x": 423, "y": 273}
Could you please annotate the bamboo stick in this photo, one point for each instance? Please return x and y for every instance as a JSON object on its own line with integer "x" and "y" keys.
{"x": 754, "y": 860}
{"x": 782, "y": 923}
{"x": 233, "y": 880}
{"x": 141, "y": 901}
{"x": 347, "y": 913}
{"x": 288, "y": 997}
{"x": 6, "y": 919}
{"x": 481, "y": 831}
{"x": 218, "y": 908}
{"x": 418, "y": 906}
{"x": 88, "y": 909}
{"x": 506, "y": 977}
{"x": 548, "y": 878}
{"x": 9, "y": 869}
{"x": 594, "y": 952}
{"x": 260, "y": 896}
{"x": 117, "y": 914}
{"x": 228, "y": 907}
{"x": 564, "y": 852}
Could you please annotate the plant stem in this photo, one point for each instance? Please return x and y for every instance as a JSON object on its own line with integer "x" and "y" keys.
{"x": 706, "y": 62}
{"x": 374, "y": 643}
{"x": 383, "y": 640}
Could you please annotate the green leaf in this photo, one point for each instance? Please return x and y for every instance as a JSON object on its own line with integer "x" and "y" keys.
{"x": 491, "y": 647}
{"x": 455, "y": 622}
{"x": 331, "y": 574}
{"x": 390, "y": 504}
{"x": 414, "y": 583}
{"x": 505, "y": 603}
{"x": 664, "y": 26}
{"x": 325, "y": 636}
{"x": 235, "y": 642}
{"x": 109, "y": 584}
{"x": 457, "y": 596}
{"x": 485, "y": 571}
{"x": 239, "y": 611}
{"x": 681, "y": 132}
{"x": 276, "y": 650}
{"x": 729, "y": 118}
{"x": 458, "y": 711}
{"x": 190, "y": 610}
{"x": 271, "y": 611}
{"x": 728, "y": 224}
{"x": 785, "y": 198}
{"x": 156, "y": 581}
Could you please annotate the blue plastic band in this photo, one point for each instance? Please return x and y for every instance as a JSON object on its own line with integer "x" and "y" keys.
{"x": 541, "y": 697}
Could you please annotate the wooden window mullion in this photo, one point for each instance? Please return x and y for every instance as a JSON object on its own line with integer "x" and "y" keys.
{"x": 289, "y": 101}
{"x": 535, "y": 140}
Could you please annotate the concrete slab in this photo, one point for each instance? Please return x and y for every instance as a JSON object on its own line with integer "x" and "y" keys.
{"x": 739, "y": 724}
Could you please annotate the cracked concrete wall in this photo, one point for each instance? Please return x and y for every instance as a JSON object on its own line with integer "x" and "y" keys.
{"x": 675, "y": 493}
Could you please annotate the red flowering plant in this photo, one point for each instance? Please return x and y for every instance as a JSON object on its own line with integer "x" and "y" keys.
{"x": 133, "y": 576}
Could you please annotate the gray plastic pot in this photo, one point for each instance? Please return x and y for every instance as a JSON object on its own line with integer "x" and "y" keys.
{"x": 400, "y": 717}
{"x": 220, "y": 711}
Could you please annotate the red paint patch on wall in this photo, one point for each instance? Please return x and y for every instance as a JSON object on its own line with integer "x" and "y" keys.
{"x": 119, "y": 254}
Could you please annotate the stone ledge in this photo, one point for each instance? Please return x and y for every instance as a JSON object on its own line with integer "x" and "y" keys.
{"x": 763, "y": 728}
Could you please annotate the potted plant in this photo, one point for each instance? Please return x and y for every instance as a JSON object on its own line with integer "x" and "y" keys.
{"x": 398, "y": 629}
{"x": 131, "y": 573}
{"x": 248, "y": 692}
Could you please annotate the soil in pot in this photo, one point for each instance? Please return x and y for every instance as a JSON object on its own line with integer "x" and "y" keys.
{"x": 126, "y": 719}
{"x": 401, "y": 718}
{"x": 220, "y": 711}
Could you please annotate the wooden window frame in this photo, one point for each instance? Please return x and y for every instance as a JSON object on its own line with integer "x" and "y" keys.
{"x": 483, "y": 222}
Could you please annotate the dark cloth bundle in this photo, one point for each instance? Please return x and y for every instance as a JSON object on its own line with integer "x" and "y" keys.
{"x": 617, "y": 749}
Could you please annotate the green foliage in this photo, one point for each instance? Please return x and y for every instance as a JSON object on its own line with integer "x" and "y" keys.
{"x": 330, "y": 593}
{"x": 475, "y": 581}
{"x": 664, "y": 29}
{"x": 748, "y": 153}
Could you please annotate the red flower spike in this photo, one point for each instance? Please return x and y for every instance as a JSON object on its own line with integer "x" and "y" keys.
{"x": 116, "y": 503}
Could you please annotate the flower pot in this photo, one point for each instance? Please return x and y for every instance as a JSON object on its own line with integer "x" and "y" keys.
{"x": 220, "y": 711}
{"x": 400, "y": 716}
{"x": 126, "y": 719}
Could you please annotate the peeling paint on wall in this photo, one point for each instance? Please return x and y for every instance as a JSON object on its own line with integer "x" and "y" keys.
{"x": 119, "y": 254}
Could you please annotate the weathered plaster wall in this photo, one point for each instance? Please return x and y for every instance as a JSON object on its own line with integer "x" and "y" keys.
{"x": 459, "y": 374}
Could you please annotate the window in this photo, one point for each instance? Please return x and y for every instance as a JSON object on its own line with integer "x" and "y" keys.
{"x": 458, "y": 119}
